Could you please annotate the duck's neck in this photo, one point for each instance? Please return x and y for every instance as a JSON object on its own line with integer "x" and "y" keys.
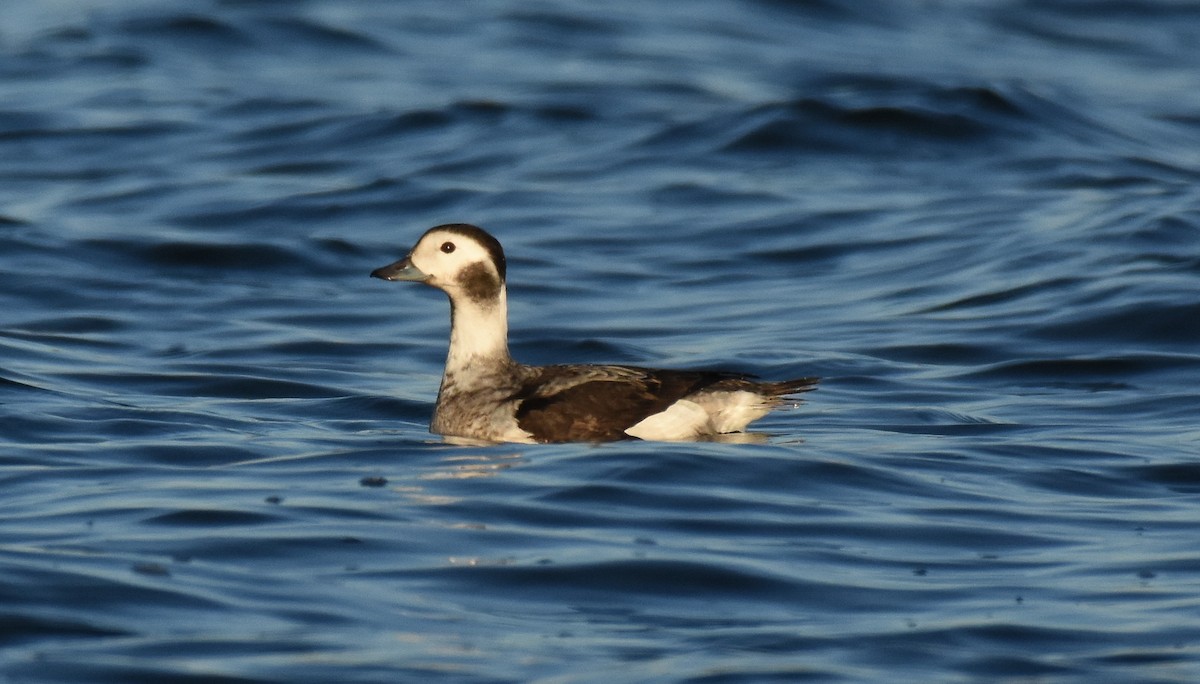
{"x": 478, "y": 335}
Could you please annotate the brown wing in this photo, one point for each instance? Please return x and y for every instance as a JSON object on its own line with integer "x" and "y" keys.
{"x": 604, "y": 402}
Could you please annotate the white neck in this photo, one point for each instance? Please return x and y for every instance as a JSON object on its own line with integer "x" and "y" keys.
{"x": 478, "y": 333}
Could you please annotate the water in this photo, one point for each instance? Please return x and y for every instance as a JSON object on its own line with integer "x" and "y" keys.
{"x": 979, "y": 222}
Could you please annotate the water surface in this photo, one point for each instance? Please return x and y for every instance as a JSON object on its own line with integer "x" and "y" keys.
{"x": 978, "y": 222}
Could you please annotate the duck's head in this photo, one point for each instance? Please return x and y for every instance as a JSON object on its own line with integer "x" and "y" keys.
{"x": 462, "y": 259}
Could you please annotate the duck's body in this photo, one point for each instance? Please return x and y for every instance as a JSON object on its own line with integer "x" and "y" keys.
{"x": 486, "y": 395}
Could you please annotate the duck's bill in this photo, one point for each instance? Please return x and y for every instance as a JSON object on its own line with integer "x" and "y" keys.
{"x": 401, "y": 270}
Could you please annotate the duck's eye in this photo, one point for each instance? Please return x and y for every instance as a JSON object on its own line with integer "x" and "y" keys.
{"x": 447, "y": 247}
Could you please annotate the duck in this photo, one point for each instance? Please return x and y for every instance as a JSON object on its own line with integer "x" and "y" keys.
{"x": 487, "y": 396}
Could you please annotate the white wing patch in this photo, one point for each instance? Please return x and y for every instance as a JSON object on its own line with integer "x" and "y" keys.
{"x": 683, "y": 420}
{"x": 702, "y": 415}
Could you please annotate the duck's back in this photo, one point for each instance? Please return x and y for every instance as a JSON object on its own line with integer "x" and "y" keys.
{"x": 604, "y": 403}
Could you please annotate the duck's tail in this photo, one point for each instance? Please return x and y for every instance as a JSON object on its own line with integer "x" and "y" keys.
{"x": 785, "y": 388}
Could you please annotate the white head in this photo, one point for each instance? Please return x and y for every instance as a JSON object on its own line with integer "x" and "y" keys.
{"x": 463, "y": 260}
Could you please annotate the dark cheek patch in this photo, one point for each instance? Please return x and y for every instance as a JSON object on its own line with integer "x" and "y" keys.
{"x": 479, "y": 284}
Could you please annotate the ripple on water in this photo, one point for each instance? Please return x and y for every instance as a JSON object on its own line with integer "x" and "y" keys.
{"x": 216, "y": 462}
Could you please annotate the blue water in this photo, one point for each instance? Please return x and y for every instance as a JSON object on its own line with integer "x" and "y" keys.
{"x": 979, "y": 222}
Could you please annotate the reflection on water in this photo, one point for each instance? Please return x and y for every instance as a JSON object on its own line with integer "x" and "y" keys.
{"x": 465, "y": 466}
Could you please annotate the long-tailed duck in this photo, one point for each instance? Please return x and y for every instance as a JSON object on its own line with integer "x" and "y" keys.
{"x": 486, "y": 395}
